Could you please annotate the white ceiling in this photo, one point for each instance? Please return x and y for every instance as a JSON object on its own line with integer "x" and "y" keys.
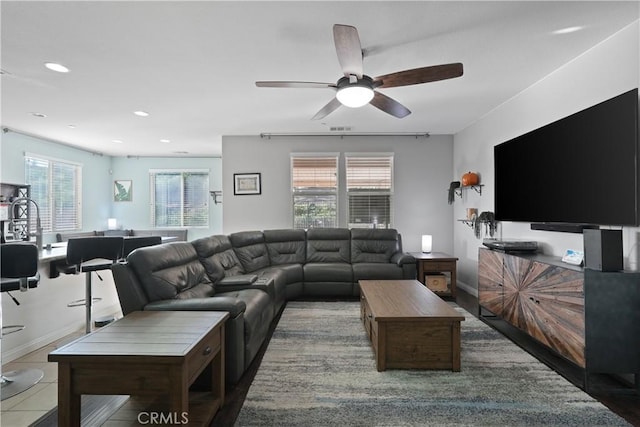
{"x": 192, "y": 65}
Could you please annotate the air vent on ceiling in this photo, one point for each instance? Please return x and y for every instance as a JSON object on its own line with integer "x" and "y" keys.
{"x": 340, "y": 128}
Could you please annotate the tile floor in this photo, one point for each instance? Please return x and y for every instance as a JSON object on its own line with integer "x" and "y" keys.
{"x": 25, "y": 408}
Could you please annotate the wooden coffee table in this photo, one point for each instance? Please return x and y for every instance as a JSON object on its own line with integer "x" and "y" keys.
{"x": 409, "y": 326}
{"x": 153, "y": 354}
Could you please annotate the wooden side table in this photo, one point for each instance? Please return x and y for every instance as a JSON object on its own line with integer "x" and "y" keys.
{"x": 152, "y": 354}
{"x": 429, "y": 263}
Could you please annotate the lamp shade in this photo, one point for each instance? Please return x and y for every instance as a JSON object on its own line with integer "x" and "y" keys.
{"x": 427, "y": 240}
{"x": 112, "y": 224}
{"x": 354, "y": 96}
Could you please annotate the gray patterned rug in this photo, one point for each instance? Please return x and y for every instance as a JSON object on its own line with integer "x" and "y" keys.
{"x": 319, "y": 370}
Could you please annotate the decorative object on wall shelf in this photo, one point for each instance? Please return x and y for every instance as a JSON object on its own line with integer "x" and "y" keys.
{"x": 246, "y": 183}
{"x": 470, "y": 178}
{"x": 217, "y": 196}
{"x": 472, "y": 213}
{"x": 122, "y": 190}
{"x": 486, "y": 218}
{"x": 452, "y": 191}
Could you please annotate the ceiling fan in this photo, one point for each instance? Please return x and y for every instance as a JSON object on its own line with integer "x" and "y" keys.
{"x": 356, "y": 89}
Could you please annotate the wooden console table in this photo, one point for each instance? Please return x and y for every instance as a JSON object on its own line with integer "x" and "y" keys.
{"x": 150, "y": 354}
{"x": 437, "y": 262}
{"x": 409, "y": 326}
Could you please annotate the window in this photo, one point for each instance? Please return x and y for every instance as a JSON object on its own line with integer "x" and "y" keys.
{"x": 314, "y": 182}
{"x": 369, "y": 190}
{"x": 179, "y": 198}
{"x": 56, "y": 188}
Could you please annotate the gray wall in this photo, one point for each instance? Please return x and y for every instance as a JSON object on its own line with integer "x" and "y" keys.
{"x": 604, "y": 71}
{"x": 422, "y": 173}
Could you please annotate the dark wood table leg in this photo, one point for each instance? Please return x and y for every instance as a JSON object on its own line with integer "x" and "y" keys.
{"x": 68, "y": 403}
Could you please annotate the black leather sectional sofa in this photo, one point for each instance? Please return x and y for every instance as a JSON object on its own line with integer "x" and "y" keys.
{"x": 252, "y": 274}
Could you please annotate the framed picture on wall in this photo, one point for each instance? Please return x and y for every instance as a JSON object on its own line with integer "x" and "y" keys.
{"x": 246, "y": 183}
{"x": 122, "y": 190}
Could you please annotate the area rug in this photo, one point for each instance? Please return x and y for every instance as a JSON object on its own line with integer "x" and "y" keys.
{"x": 319, "y": 370}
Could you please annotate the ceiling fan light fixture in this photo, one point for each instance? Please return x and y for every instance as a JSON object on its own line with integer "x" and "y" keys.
{"x": 354, "y": 92}
{"x": 354, "y": 96}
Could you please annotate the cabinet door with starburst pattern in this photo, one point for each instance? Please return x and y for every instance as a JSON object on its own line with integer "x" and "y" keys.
{"x": 490, "y": 294}
{"x": 547, "y": 302}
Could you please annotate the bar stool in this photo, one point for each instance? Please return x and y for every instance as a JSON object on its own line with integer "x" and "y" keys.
{"x": 88, "y": 255}
{"x": 19, "y": 272}
{"x": 131, "y": 243}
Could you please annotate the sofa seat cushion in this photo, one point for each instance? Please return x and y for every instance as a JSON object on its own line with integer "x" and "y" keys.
{"x": 293, "y": 273}
{"x": 328, "y": 272}
{"x": 376, "y": 271}
{"x": 166, "y": 271}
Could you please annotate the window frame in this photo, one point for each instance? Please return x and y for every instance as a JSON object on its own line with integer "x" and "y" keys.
{"x": 328, "y": 192}
{"x": 48, "y": 208}
{"x": 181, "y": 172}
{"x": 355, "y": 191}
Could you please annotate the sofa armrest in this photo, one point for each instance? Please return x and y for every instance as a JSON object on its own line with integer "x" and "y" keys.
{"x": 240, "y": 279}
{"x": 217, "y": 303}
{"x": 401, "y": 258}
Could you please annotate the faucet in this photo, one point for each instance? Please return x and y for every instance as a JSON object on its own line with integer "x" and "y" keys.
{"x": 38, "y": 223}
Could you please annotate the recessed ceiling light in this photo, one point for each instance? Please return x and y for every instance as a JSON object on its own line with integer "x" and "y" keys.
{"x": 180, "y": 152}
{"x": 141, "y": 113}
{"x": 36, "y": 114}
{"x": 71, "y": 126}
{"x": 165, "y": 140}
{"x": 568, "y": 30}
{"x": 53, "y": 66}
{"x": 117, "y": 141}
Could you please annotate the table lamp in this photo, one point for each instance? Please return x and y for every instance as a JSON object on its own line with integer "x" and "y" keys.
{"x": 426, "y": 243}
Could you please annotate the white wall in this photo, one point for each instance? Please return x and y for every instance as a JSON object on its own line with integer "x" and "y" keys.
{"x": 422, "y": 173}
{"x": 606, "y": 70}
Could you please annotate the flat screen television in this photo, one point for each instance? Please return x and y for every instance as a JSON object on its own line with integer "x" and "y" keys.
{"x": 581, "y": 169}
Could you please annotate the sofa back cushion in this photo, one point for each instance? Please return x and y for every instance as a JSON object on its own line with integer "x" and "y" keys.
{"x": 170, "y": 271}
{"x": 251, "y": 250}
{"x": 218, "y": 257}
{"x": 373, "y": 245}
{"x": 286, "y": 246}
{"x": 328, "y": 245}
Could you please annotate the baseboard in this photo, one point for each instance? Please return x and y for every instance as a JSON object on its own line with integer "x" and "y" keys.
{"x": 468, "y": 289}
{"x": 45, "y": 340}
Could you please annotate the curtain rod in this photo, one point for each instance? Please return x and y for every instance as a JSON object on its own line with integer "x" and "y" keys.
{"x": 342, "y": 135}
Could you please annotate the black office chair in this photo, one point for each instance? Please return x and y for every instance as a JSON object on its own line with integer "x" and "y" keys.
{"x": 132, "y": 243}
{"x": 19, "y": 272}
{"x": 88, "y": 255}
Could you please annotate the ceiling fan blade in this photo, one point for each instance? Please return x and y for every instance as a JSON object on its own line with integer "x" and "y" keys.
{"x": 348, "y": 49}
{"x": 389, "y": 105}
{"x": 327, "y": 109}
{"x": 419, "y": 75}
{"x": 311, "y": 85}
